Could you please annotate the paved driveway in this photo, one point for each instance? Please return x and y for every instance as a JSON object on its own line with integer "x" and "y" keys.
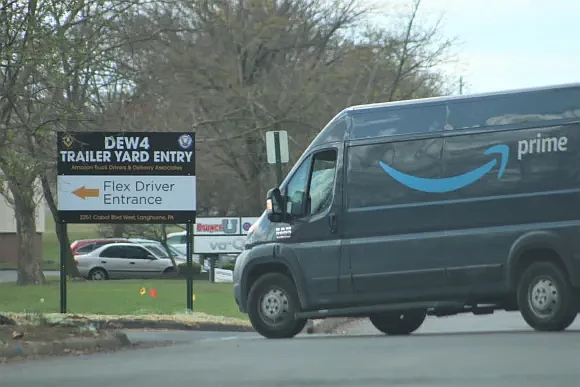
{"x": 449, "y": 352}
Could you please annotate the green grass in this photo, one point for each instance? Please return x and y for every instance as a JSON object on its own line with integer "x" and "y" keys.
{"x": 120, "y": 298}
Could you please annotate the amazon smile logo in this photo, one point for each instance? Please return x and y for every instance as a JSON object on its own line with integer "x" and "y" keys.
{"x": 453, "y": 183}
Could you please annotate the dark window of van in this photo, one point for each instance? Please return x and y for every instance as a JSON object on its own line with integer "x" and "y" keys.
{"x": 537, "y": 106}
{"x": 381, "y": 122}
{"x": 296, "y": 190}
{"x": 333, "y": 132}
{"x": 321, "y": 190}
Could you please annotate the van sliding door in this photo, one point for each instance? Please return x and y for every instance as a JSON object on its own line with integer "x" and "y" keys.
{"x": 393, "y": 219}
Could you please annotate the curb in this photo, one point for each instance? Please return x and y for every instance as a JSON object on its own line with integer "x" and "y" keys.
{"x": 327, "y": 325}
{"x": 110, "y": 341}
{"x": 161, "y": 324}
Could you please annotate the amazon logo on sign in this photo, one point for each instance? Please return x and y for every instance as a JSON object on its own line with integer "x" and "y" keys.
{"x": 453, "y": 183}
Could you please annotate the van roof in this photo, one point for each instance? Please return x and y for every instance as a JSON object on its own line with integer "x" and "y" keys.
{"x": 555, "y": 104}
{"x": 462, "y": 98}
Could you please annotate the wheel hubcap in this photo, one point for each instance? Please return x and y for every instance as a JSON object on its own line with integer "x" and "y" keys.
{"x": 97, "y": 275}
{"x": 274, "y": 305}
{"x": 544, "y": 297}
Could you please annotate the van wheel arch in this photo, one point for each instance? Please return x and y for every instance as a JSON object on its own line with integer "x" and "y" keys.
{"x": 260, "y": 269}
{"x": 537, "y": 246}
{"x": 532, "y": 255}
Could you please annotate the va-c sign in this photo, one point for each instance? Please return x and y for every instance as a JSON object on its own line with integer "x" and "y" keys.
{"x": 222, "y": 245}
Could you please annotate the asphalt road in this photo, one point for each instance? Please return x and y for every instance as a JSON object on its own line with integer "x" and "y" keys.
{"x": 12, "y": 276}
{"x": 498, "y": 351}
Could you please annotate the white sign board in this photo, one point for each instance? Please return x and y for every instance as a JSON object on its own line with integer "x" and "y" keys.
{"x": 133, "y": 177}
{"x": 126, "y": 193}
{"x": 271, "y": 146}
{"x": 223, "y": 244}
{"x": 221, "y": 275}
{"x": 221, "y": 235}
{"x": 247, "y": 223}
{"x": 217, "y": 226}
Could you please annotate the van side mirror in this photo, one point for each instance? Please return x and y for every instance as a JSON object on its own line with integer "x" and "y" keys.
{"x": 274, "y": 205}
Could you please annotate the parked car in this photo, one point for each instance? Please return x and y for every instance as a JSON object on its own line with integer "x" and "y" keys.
{"x": 122, "y": 260}
{"x": 84, "y": 246}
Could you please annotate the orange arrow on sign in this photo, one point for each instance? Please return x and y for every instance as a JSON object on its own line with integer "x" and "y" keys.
{"x": 84, "y": 192}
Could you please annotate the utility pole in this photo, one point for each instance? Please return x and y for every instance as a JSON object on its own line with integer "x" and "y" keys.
{"x": 461, "y": 85}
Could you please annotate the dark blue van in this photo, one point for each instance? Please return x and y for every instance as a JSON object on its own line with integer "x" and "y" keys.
{"x": 434, "y": 206}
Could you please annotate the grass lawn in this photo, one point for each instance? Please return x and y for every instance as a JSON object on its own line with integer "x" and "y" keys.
{"x": 120, "y": 297}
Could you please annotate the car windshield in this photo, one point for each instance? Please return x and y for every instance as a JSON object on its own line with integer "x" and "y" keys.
{"x": 174, "y": 250}
{"x": 157, "y": 250}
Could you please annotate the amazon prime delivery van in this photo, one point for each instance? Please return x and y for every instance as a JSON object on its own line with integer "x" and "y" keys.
{"x": 433, "y": 207}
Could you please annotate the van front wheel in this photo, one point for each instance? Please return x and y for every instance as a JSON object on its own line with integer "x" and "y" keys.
{"x": 272, "y": 305}
{"x": 398, "y": 323}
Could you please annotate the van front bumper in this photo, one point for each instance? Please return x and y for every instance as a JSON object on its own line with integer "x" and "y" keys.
{"x": 238, "y": 297}
{"x": 238, "y": 269}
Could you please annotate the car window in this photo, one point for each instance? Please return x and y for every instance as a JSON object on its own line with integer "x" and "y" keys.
{"x": 113, "y": 252}
{"x": 296, "y": 191}
{"x": 135, "y": 252}
{"x": 86, "y": 249}
{"x": 322, "y": 181}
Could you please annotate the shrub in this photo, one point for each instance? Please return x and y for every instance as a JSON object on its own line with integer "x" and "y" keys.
{"x": 228, "y": 266}
{"x": 182, "y": 268}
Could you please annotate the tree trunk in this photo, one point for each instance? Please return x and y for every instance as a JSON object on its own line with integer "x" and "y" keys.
{"x": 71, "y": 268}
{"x": 257, "y": 205}
{"x": 118, "y": 230}
{"x": 29, "y": 270}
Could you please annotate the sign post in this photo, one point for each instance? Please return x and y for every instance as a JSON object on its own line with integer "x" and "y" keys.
{"x": 63, "y": 272}
{"x": 277, "y": 150}
{"x": 127, "y": 177}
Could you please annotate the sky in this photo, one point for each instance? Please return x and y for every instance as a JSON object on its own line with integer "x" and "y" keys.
{"x": 507, "y": 44}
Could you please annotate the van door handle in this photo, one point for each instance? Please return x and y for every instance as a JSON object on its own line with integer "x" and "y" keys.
{"x": 131, "y": 263}
{"x": 332, "y": 222}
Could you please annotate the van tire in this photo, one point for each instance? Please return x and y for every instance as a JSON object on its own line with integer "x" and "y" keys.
{"x": 539, "y": 283}
{"x": 271, "y": 294}
{"x": 399, "y": 323}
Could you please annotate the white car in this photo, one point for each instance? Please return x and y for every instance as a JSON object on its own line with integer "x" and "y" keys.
{"x": 122, "y": 261}
{"x": 160, "y": 250}
{"x": 178, "y": 241}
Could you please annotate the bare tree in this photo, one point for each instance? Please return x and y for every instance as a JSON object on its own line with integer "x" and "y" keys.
{"x": 232, "y": 70}
{"x": 58, "y": 62}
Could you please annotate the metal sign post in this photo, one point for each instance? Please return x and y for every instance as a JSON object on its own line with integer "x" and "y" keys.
{"x": 277, "y": 151}
{"x": 189, "y": 254}
{"x": 133, "y": 177}
{"x": 63, "y": 230}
